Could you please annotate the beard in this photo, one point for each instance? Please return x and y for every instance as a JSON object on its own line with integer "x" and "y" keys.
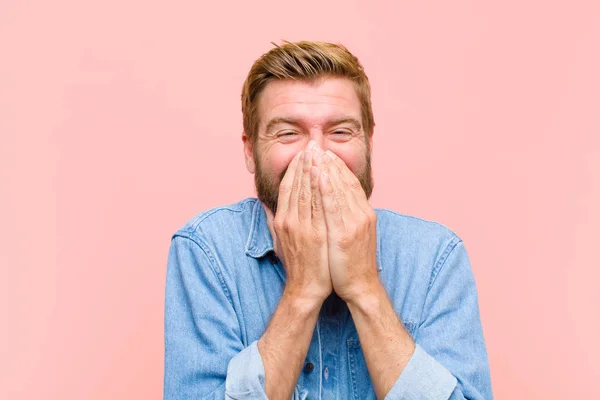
{"x": 267, "y": 186}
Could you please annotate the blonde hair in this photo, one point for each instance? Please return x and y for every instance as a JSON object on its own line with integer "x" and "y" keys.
{"x": 303, "y": 61}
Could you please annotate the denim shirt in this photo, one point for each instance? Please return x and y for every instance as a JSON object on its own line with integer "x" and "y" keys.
{"x": 224, "y": 282}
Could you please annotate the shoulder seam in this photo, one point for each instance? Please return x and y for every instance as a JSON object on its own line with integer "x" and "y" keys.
{"x": 202, "y": 216}
{"x": 442, "y": 260}
{"x": 213, "y": 263}
{"x": 416, "y": 218}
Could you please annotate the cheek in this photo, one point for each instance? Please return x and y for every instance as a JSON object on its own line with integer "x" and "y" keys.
{"x": 354, "y": 161}
{"x": 277, "y": 162}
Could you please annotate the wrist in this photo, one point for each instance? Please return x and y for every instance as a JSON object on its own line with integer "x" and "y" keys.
{"x": 367, "y": 299}
{"x": 302, "y": 302}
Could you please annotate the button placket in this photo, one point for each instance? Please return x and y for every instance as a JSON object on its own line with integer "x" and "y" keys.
{"x": 273, "y": 259}
{"x": 309, "y": 367}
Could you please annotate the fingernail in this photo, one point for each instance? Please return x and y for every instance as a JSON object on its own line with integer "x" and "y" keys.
{"x": 311, "y": 144}
{"x": 330, "y": 154}
{"x": 307, "y": 155}
{"x": 319, "y": 150}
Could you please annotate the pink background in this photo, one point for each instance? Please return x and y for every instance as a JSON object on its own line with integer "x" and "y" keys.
{"x": 120, "y": 120}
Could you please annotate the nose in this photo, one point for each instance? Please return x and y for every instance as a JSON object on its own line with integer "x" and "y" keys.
{"x": 317, "y": 135}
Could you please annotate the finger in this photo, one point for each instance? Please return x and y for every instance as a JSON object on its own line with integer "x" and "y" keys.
{"x": 355, "y": 195}
{"x": 333, "y": 214}
{"x": 322, "y": 164}
{"x": 318, "y": 217}
{"x": 343, "y": 199}
{"x": 305, "y": 193}
{"x": 286, "y": 185}
{"x": 293, "y": 204}
{"x": 318, "y": 157}
{"x": 350, "y": 180}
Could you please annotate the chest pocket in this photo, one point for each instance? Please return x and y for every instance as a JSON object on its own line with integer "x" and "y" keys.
{"x": 360, "y": 381}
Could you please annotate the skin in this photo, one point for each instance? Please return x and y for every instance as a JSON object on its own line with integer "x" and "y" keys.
{"x": 310, "y": 111}
{"x": 324, "y": 230}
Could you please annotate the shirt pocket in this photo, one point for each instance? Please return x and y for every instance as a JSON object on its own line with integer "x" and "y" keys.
{"x": 361, "y": 386}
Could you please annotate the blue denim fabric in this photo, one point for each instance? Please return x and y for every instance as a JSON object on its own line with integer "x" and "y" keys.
{"x": 224, "y": 282}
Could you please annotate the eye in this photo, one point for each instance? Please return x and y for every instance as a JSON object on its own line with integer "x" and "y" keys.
{"x": 343, "y": 131}
{"x": 341, "y": 134}
{"x": 287, "y": 136}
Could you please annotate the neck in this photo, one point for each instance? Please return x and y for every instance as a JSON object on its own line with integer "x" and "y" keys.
{"x": 270, "y": 218}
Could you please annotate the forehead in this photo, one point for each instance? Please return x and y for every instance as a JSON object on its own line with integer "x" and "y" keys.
{"x": 314, "y": 102}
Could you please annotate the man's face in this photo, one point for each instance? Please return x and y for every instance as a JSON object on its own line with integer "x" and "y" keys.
{"x": 294, "y": 112}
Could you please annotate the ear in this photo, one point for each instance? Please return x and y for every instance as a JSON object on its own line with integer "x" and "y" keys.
{"x": 248, "y": 154}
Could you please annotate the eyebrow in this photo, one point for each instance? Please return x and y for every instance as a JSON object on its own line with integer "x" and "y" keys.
{"x": 292, "y": 121}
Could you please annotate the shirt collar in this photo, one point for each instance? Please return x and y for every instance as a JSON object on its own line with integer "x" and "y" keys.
{"x": 260, "y": 241}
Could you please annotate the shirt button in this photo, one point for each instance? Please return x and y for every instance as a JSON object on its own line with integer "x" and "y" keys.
{"x": 309, "y": 367}
{"x": 326, "y": 373}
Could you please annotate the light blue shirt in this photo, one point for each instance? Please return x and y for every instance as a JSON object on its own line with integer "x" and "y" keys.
{"x": 224, "y": 282}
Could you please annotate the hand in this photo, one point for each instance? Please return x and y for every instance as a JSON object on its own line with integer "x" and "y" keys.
{"x": 351, "y": 229}
{"x": 300, "y": 230}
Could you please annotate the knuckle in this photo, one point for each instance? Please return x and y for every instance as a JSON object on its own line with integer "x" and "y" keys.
{"x": 293, "y": 186}
{"x": 330, "y": 207}
{"x": 316, "y": 204}
{"x": 328, "y": 190}
{"x": 303, "y": 196}
{"x": 355, "y": 184}
{"x": 283, "y": 225}
{"x": 278, "y": 224}
{"x": 314, "y": 185}
{"x": 363, "y": 218}
{"x": 345, "y": 242}
{"x": 284, "y": 187}
{"x": 318, "y": 237}
{"x": 288, "y": 225}
{"x": 351, "y": 231}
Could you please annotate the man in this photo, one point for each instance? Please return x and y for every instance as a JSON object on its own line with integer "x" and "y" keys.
{"x": 307, "y": 292}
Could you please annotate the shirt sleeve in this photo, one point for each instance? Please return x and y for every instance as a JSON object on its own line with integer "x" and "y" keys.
{"x": 204, "y": 354}
{"x": 450, "y": 359}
